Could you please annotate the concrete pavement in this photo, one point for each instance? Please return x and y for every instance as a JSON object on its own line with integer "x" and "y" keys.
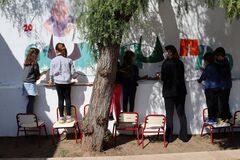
{"x": 213, "y": 155}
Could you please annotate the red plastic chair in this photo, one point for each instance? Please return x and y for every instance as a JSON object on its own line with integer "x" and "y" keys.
{"x": 212, "y": 126}
{"x": 236, "y": 120}
{"x": 127, "y": 121}
{"x": 74, "y": 124}
{"x": 154, "y": 123}
{"x": 29, "y": 123}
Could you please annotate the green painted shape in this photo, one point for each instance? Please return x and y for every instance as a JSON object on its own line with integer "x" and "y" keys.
{"x": 156, "y": 56}
{"x": 202, "y": 49}
{"x": 137, "y": 50}
{"x": 44, "y": 61}
{"x": 199, "y": 61}
{"x": 87, "y": 59}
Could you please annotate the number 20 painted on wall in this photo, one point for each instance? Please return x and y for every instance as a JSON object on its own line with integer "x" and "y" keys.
{"x": 27, "y": 27}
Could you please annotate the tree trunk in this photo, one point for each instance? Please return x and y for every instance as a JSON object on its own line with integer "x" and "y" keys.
{"x": 96, "y": 121}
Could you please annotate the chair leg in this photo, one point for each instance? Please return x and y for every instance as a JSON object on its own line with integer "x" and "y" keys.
{"x": 231, "y": 132}
{"x": 113, "y": 131}
{"x": 75, "y": 131}
{"x": 17, "y": 137}
{"x": 202, "y": 129}
{"x": 45, "y": 129}
{"x": 52, "y": 135}
{"x": 142, "y": 138}
{"x": 58, "y": 132}
{"x": 115, "y": 136}
{"x": 39, "y": 135}
{"x": 66, "y": 131}
{"x": 211, "y": 134}
{"x": 232, "y": 129}
{"x": 137, "y": 136}
{"x": 158, "y": 133}
{"x": 25, "y": 132}
{"x": 80, "y": 132}
{"x": 219, "y": 130}
{"x": 164, "y": 138}
{"x": 224, "y": 131}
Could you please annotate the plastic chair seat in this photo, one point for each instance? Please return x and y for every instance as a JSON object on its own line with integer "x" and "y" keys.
{"x": 154, "y": 123}
{"x": 64, "y": 125}
{"x": 211, "y": 127}
{"x": 150, "y": 126}
{"x": 236, "y": 120}
{"x": 127, "y": 121}
{"x": 31, "y": 125}
{"x": 221, "y": 125}
{"x": 123, "y": 125}
{"x": 74, "y": 124}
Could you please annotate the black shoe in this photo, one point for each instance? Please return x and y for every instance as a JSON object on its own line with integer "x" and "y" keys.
{"x": 111, "y": 117}
{"x": 170, "y": 139}
{"x": 185, "y": 139}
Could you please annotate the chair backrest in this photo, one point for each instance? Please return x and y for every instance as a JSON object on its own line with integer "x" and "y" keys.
{"x": 155, "y": 120}
{"x": 85, "y": 109}
{"x": 237, "y": 118}
{"x": 25, "y": 118}
{"x": 73, "y": 112}
{"x": 128, "y": 117}
{"x": 205, "y": 114}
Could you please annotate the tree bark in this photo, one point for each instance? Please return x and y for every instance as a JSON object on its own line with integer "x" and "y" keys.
{"x": 96, "y": 121}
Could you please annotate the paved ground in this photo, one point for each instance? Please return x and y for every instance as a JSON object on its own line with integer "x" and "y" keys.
{"x": 226, "y": 147}
{"x": 213, "y": 155}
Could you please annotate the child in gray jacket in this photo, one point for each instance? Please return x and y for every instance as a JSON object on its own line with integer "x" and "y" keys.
{"x": 61, "y": 72}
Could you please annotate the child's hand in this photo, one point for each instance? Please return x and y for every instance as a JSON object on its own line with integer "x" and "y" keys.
{"x": 50, "y": 83}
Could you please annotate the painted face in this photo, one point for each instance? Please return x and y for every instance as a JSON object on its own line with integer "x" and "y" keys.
{"x": 60, "y": 10}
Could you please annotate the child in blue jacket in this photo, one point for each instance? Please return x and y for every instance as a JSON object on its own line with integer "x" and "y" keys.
{"x": 211, "y": 79}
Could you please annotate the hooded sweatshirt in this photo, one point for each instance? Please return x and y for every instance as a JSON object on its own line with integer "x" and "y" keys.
{"x": 61, "y": 70}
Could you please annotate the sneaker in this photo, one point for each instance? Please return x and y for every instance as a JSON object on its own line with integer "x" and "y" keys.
{"x": 111, "y": 117}
{"x": 61, "y": 120}
{"x": 69, "y": 119}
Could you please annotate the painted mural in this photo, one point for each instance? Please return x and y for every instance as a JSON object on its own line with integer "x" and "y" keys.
{"x": 61, "y": 27}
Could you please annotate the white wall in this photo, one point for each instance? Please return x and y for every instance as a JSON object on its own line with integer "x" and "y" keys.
{"x": 207, "y": 25}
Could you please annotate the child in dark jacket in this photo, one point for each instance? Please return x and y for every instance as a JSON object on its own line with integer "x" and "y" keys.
{"x": 30, "y": 75}
{"x": 225, "y": 84}
{"x": 211, "y": 79}
{"x": 129, "y": 77}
